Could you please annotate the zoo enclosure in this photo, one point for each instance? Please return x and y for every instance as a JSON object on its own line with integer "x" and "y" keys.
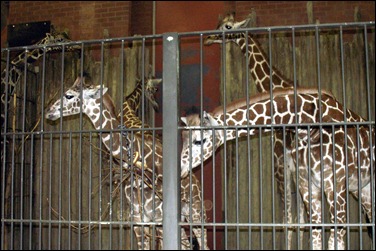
{"x": 35, "y": 148}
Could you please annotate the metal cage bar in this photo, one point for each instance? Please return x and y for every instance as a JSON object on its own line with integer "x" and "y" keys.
{"x": 32, "y": 222}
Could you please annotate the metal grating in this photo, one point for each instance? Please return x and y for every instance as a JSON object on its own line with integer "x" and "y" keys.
{"x": 62, "y": 189}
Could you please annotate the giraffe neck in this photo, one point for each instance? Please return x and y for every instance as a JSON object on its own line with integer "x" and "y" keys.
{"x": 150, "y": 146}
{"x": 142, "y": 144}
{"x": 34, "y": 54}
{"x": 107, "y": 120}
{"x": 134, "y": 99}
{"x": 260, "y": 67}
{"x": 11, "y": 76}
{"x": 130, "y": 107}
{"x": 130, "y": 119}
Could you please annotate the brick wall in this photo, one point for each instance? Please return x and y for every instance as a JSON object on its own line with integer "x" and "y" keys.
{"x": 84, "y": 19}
{"x": 87, "y": 19}
{"x": 142, "y": 18}
{"x": 276, "y": 13}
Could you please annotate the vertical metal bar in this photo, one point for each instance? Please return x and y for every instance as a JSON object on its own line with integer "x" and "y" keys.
{"x": 142, "y": 106}
{"x": 224, "y": 171}
{"x": 31, "y": 189}
{"x": 237, "y": 188}
{"x": 12, "y": 201}
{"x": 201, "y": 105}
{"x": 90, "y": 185}
{"x": 3, "y": 180}
{"x": 272, "y": 130}
{"x": 121, "y": 227}
{"x": 171, "y": 172}
{"x": 298, "y": 195}
{"x": 110, "y": 191}
{"x": 248, "y": 141}
{"x": 284, "y": 181}
{"x": 70, "y": 192}
{"x": 154, "y": 233}
{"x": 133, "y": 197}
{"x": 320, "y": 129}
{"x": 298, "y": 201}
{"x": 22, "y": 162}
{"x": 41, "y": 153}
{"x": 372, "y": 172}
{"x": 214, "y": 193}
{"x": 100, "y": 147}
{"x": 60, "y": 149}
{"x": 310, "y": 187}
{"x": 335, "y": 185}
{"x": 345, "y": 130}
{"x": 261, "y": 190}
{"x": 50, "y": 193}
{"x": 80, "y": 154}
{"x": 359, "y": 188}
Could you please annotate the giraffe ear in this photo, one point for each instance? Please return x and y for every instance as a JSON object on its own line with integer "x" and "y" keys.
{"x": 208, "y": 120}
{"x": 77, "y": 82}
{"x": 184, "y": 120}
{"x": 242, "y": 24}
{"x": 95, "y": 93}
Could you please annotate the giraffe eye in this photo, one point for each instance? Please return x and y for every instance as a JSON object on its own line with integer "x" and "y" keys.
{"x": 199, "y": 142}
{"x": 67, "y": 96}
{"x": 228, "y": 27}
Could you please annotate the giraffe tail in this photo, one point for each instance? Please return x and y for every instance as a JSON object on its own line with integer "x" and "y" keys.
{"x": 195, "y": 244}
{"x": 369, "y": 228}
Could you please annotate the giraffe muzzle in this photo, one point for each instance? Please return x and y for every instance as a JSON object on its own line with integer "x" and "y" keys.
{"x": 52, "y": 114}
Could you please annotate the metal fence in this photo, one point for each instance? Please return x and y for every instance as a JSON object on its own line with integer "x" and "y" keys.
{"x": 60, "y": 184}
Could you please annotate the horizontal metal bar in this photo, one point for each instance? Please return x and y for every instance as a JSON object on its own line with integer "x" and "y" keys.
{"x": 279, "y": 28}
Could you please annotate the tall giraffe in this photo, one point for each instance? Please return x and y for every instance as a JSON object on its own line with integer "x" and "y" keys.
{"x": 188, "y": 187}
{"x": 11, "y": 74}
{"x": 359, "y": 139}
{"x": 264, "y": 76}
{"x": 130, "y": 147}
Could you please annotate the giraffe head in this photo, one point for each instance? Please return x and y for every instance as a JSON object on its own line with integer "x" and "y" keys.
{"x": 227, "y": 23}
{"x": 198, "y": 143}
{"x": 71, "y": 101}
{"x": 151, "y": 89}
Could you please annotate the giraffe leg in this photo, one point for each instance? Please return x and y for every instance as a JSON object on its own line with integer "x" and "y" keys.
{"x": 366, "y": 198}
{"x": 191, "y": 209}
{"x": 185, "y": 244}
{"x": 196, "y": 218}
{"x": 198, "y": 233}
{"x": 300, "y": 205}
{"x": 302, "y": 213}
{"x": 288, "y": 208}
{"x": 338, "y": 213}
{"x": 142, "y": 243}
{"x": 284, "y": 161}
{"x": 312, "y": 200}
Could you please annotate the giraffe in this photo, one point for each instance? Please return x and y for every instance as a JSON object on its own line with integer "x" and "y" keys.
{"x": 130, "y": 148}
{"x": 260, "y": 71}
{"x": 189, "y": 187}
{"x": 360, "y": 140}
{"x": 133, "y": 99}
{"x": 11, "y": 74}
